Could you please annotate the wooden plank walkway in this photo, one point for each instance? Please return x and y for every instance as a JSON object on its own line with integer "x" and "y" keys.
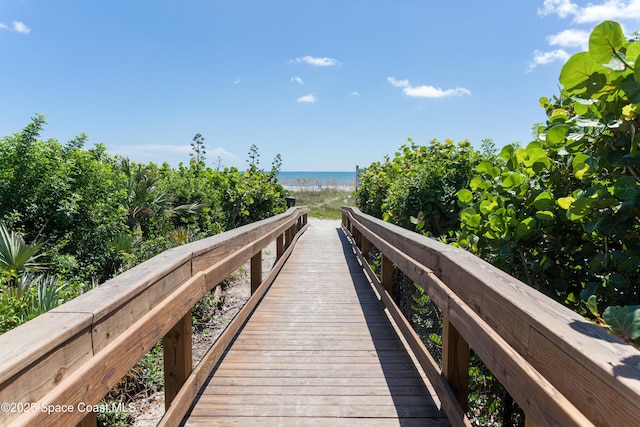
{"x": 319, "y": 350}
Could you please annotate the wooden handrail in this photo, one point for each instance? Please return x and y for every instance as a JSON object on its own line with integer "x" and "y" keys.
{"x": 56, "y": 366}
{"x": 559, "y": 367}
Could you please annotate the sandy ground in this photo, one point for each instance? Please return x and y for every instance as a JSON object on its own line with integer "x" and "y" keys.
{"x": 150, "y": 410}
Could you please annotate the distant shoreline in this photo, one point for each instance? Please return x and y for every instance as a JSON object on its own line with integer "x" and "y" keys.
{"x": 319, "y": 180}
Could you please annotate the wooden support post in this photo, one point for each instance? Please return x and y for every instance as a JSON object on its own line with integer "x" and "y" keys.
{"x": 455, "y": 362}
{"x": 89, "y": 420}
{"x": 528, "y": 422}
{"x": 279, "y": 246}
{"x": 386, "y": 274}
{"x": 256, "y": 271}
{"x": 177, "y": 351}
{"x": 365, "y": 248}
{"x": 289, "y": 234}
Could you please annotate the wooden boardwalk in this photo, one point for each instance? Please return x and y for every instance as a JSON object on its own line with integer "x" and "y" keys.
{"x": 318, "y": 350}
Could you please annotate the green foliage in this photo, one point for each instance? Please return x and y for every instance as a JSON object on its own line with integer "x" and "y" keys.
{"x": 562, "y": 214}
{"x": 418, "y": 186}
{"x": 25, "y": 292}
{"x": 97, "y": 215}
{"x": 624, "y": 321}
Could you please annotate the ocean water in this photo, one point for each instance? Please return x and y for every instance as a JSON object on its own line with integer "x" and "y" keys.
{"x": 317, "y": 180}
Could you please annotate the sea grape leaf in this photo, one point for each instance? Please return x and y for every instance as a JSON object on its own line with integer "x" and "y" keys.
{"x": 605, "y": 39}
{"x": 556, "y": 134}
{"x": 465, "y": 196}
{"x": 624, "y": 321}
{"x": 545, "y": 215}
{"x": 544, "y": 201}
{"x": 526, "y": 227}
{"x": 565, "y": 202}
{"x": 576, "y": 71}
{"x": 470, "y": 217}
{"x": 631, "y": 87}
{"x": 625, "y": 188}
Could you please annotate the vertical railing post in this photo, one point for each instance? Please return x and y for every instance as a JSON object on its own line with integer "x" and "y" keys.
{"x": 89, "y": 420}
{"x": 386, "y": 274}
{"x": 289, "y": 236}
{"x": 177, "y": 358}
{"x": 256, "y": 271}
{"x": 455, "y": 362}
{"x": 365, "y": 248}
{"x": 279, "y": 246}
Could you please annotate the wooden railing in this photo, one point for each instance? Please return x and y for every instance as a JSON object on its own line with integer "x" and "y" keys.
{"x": 561, "y": 369}
{"x": 56, "y": 368}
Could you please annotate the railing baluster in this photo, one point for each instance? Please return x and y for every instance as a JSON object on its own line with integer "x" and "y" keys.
{"x": 90, "y": 420}
{"x": 279, "y": 246}
{"x": 256, "y": 271}
{"x": 365, "y": 248}
{"x": 288, "y": 236}
{"x": 177, "y": 358}
{"x": 386, "y": 274}
{"x": 455, "y": 362}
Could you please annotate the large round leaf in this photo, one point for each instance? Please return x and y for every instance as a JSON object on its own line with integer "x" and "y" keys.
{"x": 606, "y": 39}
{"x": 577, "y": 71}
{"x": 625, "y": 188}
{"x": 544, "y": 201}
{"x": 465, "y": 196}
{"x": 545, "y": 215}
{"x": 470, "y": 217}
{"x": 556, "y": 134}
{"x": 526, "y": 227}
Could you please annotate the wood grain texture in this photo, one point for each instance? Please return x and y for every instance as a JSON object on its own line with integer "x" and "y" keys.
{"x": 58, "y": 357}
{"x": 586, "y": 359}
{"x": 318, "y": 350}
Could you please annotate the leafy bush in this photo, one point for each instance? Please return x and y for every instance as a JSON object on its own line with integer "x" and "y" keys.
{"x": 419, "y": 186}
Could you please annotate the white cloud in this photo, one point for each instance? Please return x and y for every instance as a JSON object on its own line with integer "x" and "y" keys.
{"x": 316, "y": 62}
{"x": 592, "y": 13}
{"x": 16, "y": 26}
{"x": 228, "y": 158}
{"x": 425, "y": 91}
{"x": 236, "y": 81}
{"x": 20, "y": 27}
{"x": 398, "y": 83}
{"x": 355, "y": 93}
{"x": 543, "y": 58}
{"x": 297, "y": 79}
{"x": 570, "y": 38}
{"x": 309, "y": 99}
{"x": 562, "y": 8}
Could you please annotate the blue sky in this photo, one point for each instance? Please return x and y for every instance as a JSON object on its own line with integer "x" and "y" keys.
{"x": 328, "y": 84}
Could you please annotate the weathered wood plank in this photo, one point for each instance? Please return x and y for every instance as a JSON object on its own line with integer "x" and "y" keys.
{"x": 94, "y": 379}
{"x": 519, "y": 314}
{"x": 177, "y": 351}
{"x": 183, "y": 401}
{"x": 314, "y": 422}
{"x": 318, "y": 345}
